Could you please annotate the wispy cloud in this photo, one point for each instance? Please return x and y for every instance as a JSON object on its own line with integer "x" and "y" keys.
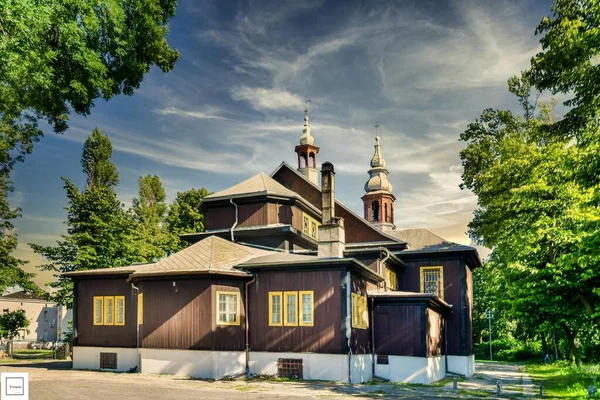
{"x": 264, "y": 98}
{"x": 189, "y": 114}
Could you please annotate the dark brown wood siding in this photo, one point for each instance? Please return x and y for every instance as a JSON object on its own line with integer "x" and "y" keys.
{"x": 360, "y": 339}
{"x": 184, "y": 316}
{"x": 219, "y": 217}
{"x": 89, "y": 334}
{"x": 356, "y": 229}
{"x": 399, "y": 329}
{"x": 455, "y": 289}
{"x": 326, "y": 336}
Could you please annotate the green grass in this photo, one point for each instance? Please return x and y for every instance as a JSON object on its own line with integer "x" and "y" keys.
{"x": 33, "y": 354}
{"x": 565, "y": 381}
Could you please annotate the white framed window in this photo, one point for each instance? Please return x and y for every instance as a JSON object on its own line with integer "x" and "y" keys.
{"x": 228, "y": 308}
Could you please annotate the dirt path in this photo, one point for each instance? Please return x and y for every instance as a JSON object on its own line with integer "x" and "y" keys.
{"x": 514, "y": 379}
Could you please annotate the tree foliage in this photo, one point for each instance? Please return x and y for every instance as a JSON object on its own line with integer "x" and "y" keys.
{"x": 60, "y": 57}
{"x": 154, "y": 240}
{"x": 184, "y": 215}
{"x": 100, "y": 232}
{"x": 12, "y": 322}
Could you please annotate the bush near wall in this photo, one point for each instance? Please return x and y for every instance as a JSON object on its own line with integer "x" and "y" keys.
{"x": 509, "y": 350}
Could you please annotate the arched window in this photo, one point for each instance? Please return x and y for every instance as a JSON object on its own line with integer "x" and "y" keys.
{"x": 313, "y": 160}
{"x": 375, "y": 209}
{"x": 392, "y": 213}
{"x": 366, "y": 212}
{"x": 305, "y": 158}
{"x": 385, "y": 216}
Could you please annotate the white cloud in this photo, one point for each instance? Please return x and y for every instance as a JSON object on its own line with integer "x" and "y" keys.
{"x": 264, "y": 98}
{"x": 189, "y": 114}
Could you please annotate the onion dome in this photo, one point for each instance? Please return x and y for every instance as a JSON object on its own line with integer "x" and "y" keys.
{"x": 306, "y": 137}
{"x": 378, "y": 180}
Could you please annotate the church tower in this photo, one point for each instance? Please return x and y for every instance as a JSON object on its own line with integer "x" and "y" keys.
{"x": 379, "y": 200}
{"x": 307, "y": 151}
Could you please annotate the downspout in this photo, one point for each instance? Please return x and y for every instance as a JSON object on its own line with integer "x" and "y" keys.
{"x": 137, "y": 326}
{"x": 349, "y": 323}
{"x": 247, "y": 327}
{"x": 236, "y": 218}
{"x": 373, "y": 336}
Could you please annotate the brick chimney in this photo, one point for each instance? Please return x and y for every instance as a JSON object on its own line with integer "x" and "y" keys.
{"x": 332, "y": 237}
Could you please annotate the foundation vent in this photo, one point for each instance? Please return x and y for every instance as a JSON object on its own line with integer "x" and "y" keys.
{"x": 108, "y": 360}
{"x": 384, "y": 360}
{"x": 290, "y": 368}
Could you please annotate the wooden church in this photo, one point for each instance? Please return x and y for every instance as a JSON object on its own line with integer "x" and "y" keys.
{"x": 286, "y": 280}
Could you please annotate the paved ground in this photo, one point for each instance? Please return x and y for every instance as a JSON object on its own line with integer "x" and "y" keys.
{"x": 515, "y": 381}
{"x": 57, "y": 381}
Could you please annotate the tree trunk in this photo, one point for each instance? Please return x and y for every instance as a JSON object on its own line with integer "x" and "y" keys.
{"x": 589, "y": 307}
{"x": 544, "y": 345}
{"x": 556, "y": 353}
{"x": 572, "y": 346}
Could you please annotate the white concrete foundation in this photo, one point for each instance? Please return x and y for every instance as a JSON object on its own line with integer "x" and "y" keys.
{"x": 464, "y": 365}
{"x": 195, "y": 363}
{"x": 326, "y": 367}
{"x": 89, "y": 357}
{"x": 423, "y": 370}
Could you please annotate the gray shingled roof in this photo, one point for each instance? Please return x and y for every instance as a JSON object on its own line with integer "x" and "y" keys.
{"x": 418, "y": 238}
{"x": 212, "y": 254}
{"x": 258, "y": 184}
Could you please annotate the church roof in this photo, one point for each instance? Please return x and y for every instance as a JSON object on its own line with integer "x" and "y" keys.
{"x": 212, "y": 254}
{"x": 418, "y": 238}
{"x": 257, "y": 184}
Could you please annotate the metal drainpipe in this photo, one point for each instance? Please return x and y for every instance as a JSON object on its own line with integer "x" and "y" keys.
{"x": 372, "y": 336}
{"x": 247, "y": 346}
{"x": 137, "y": 326}
{"x": 236, "y": 218}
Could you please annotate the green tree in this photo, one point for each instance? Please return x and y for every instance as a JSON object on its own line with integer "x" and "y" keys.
{"x": 184, "y": 215}
{"x": 531, "y": 209}
{"x": 569, "y": 64}
{"x": 60, "y": 57}
{"x": 154, "y": 241}
{"x": 100, "y": 232}
{"x": 12, "y": 322}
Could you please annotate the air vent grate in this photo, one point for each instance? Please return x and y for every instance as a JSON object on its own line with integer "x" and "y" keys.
{"x": 108, "y": 360}
{"x": 290, "y": 368}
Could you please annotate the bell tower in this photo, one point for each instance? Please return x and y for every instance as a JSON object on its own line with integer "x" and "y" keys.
{"x": 379, "y": 200}
{"x": 307, "y": 151}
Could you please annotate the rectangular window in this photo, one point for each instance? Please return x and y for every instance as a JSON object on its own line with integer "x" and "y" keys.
{"x": 390, "y": 279}
{"x": 275, "y": 308}
{"x": 98, "y": 310}
{"x": 140, "y": 309}
{"x": 120, "y": 310}
{"x": 432, "y": 281}
{"x": 109, "y": 310}
{"x": 290, "y": 317}
{"x": 228, "y": 308}
{"x": 307, "y": 308}
{"x": 360, "y": 316}
{"x": 45, "y": 316}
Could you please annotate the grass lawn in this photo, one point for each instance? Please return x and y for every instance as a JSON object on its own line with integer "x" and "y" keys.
{"x": 565, "y": 381}
{"x": 33, "y": 354}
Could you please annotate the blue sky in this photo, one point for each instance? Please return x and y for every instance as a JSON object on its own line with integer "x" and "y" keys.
{"x": 232, "y": 107}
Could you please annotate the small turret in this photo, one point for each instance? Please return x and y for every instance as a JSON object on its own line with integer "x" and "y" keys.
{"x": 307, "y": 151}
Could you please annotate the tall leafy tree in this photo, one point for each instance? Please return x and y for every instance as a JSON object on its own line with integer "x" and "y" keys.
{"x": 100, "y": 232}
{"x": 59, "y": 57}
{"x": 184, "y": 215}
{"x": 569, "y": 64}
{"x": 154, "y": 241}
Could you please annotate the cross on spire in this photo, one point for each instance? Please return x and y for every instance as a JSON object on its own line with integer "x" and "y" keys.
{"x": 306, "y": 101}
{"x": 376, "y": 126}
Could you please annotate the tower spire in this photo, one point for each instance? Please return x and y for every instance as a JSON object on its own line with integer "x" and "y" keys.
{"x": 379, "y": 200}
{"x": 307, "y": 151}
